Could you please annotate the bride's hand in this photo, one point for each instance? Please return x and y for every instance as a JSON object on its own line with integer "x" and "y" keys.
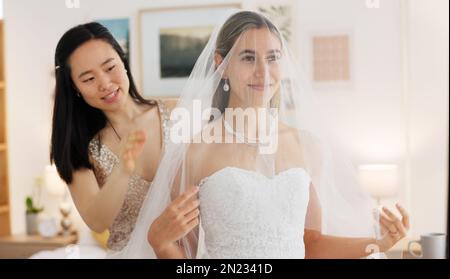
{"x": 392, "y": 228}
{"x": 131, "y": 147}
{"x": 176, "y": 221}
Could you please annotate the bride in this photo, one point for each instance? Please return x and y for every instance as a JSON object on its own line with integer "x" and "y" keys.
{"x": 254, "y": 177}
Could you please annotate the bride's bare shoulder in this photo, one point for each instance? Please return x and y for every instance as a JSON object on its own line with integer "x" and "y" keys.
{"x": 292, "y": 139}
{"x": 210, "y": 132}
{"x": 288, "y": 132}
{"x": 204, "y": 154}
{"x": 201, "y": 142}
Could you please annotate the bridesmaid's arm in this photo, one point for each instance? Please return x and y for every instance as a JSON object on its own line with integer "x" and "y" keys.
{"x": 98, "y": 206}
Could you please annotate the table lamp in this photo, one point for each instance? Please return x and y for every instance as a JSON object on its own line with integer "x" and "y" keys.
{"x": 380, "y": 180}
{"x": 57, "y": 187}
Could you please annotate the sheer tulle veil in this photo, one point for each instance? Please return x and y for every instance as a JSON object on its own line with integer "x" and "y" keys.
{"x": 247, "y": 104}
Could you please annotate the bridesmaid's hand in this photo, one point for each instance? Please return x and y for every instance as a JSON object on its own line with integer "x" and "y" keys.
{"x": 392, "y": 228}
{"x": 176, "y": 221}
{"x": 132, "y": 147}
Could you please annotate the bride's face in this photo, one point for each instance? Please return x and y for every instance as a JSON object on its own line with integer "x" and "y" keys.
{"x": 254, "y": 69}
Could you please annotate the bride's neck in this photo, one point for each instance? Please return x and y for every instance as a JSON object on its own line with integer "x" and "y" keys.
{"x": 245, "y": 119}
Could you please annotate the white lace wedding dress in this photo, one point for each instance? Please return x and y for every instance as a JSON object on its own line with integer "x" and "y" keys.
{"x": 245, "y": 214}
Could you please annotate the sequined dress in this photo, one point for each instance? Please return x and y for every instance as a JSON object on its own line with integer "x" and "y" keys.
{"x": 104, "y": 161}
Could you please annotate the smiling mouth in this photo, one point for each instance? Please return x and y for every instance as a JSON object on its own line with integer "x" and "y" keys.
{"x": 260, "y": 86}
{"x": 111, "y": 95}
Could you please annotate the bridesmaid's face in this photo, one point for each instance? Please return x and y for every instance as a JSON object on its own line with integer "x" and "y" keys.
{"x": 254, "y": 68}
{"x": 99, "y": 75}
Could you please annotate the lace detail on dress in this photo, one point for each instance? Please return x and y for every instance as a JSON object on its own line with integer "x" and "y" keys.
{"x": 104, "y": 160}
{"x": 245, "y": 214}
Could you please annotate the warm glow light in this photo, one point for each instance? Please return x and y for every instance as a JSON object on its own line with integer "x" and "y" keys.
{"x": 381, "y": 180}
{"x": 53, "y": 183}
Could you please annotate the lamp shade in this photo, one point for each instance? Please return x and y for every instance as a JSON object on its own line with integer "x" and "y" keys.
{"x": 53, "y": 183}
{"x": 380, "y": 180}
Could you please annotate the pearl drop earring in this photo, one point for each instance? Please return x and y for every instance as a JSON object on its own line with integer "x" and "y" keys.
{"x": 226, "y": 86}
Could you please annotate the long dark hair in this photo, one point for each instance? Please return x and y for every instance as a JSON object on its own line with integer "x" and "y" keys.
{"x": 228, "y": 34}
{"x": 75, "y": 122}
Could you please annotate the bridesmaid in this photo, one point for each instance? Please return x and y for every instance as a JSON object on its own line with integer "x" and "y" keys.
{"x": 107, "y": 139}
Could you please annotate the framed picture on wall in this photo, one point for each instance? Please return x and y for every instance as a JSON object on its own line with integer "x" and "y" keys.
{"x": 170, "y": 41}
{"x": 332, "y": 60}
{"x": 120, "y": 29}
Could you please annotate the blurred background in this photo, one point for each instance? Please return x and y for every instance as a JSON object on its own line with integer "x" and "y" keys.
{"x": 378, "y": 67}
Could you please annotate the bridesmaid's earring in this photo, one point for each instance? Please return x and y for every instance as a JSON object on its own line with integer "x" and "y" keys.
{"x": 226, "y": 86}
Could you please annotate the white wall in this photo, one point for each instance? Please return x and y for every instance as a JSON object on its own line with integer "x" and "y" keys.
{"x": 396, "y": 110}
{"x": 428, "y": 93}
{"x": 372, "y": 103}
{"x": 370, "y": 120}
